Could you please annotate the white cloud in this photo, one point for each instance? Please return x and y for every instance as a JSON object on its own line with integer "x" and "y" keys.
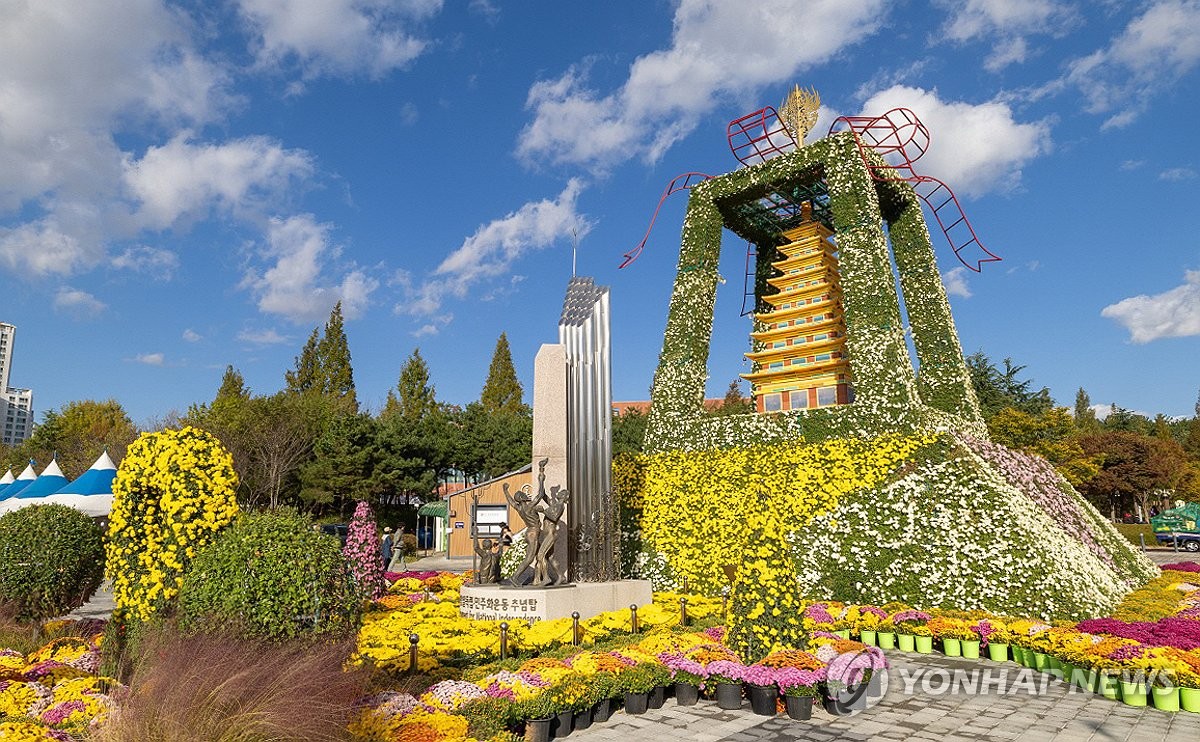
{"x": 149, "y": 260}
{"x": 974, "y": 148}
{"x": 150, "y": 359}
{"x": 491, "y": 251}
{"x": 1177, "y": 173}
{"x": 1174, "y": 313}
{"x": 78, "y": 303}
{"x": 955, "y": 281}
{"x": 43, "y": 248}
{"x": 338, "y": 37}
{"x": 181, "y": 180}
{"x": 192, "y": 336}
{"x": 1156, "y": 48}
{"x": 262, "y": 337}
{"x": 296, "y": 285}
{"x": 1005, "y": 23}
{"x": 718, "y": 50}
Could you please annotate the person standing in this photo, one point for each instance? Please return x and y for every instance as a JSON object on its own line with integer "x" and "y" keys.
{"x": 386, "y": 546}
{"x": 398, "y": 563}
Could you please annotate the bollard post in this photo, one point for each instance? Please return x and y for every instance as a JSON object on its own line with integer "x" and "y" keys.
{"x": 1142, "y": 538}
{"x": 685, "y": 585}
{"x": 633, "y": 622}
{"x": 576, "y": 636}
{"x": 683, "y": 619}
{"x": 504, "y": 640}
{"x": 1175, "y": 541}
{"x": 413, "y": 639}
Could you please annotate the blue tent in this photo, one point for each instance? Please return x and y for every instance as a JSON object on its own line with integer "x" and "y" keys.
{"x": 51, "y": 480}
{"x": 91, "y": 493}
{"x": 25, "y": 479}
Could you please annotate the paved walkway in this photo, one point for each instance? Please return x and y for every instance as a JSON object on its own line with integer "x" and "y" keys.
{"x": 926, "y": 699}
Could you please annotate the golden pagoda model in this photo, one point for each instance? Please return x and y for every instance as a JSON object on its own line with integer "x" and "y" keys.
{"x": 799, "y": 351}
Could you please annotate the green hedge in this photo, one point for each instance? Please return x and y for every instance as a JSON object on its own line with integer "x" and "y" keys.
{"x": 1131, "y": 531}
{"x": 51, "y": 560}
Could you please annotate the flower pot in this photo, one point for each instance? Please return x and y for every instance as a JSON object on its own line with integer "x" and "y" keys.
{"x": 686, "y": 694}
{"x": 1021, "y": 657}
{"x": 729, "y": 696}
{"x": 906, "y": 642}
{"x": 924, "y": 644}
{"x": 798, "y": 707}
{"x": 658, "y": 696}
{"x": 583, "y": 719}
{"x": 1040, "y": 662}
{"x": 836, "y": 707}
{"x": 1054, "y": 666}
{"x": 886, "y": 639}
{"x": 952, "y": 647}
{"x": 1189, "y": 699}
{"x": 562, "y": 723}
{"x": 1108, "y": 687}
{"x": 1091, "y": 681}
{"x": 868, "y": 637}
{"x": 635, "y": 703}
{"x": 1068, "y": 671}
{"x": 1165, "y": 699}
{"x": 538, "y": 730}
{"x": 844, "y": 633}
{"x": 601, "y": 711}
{"x": 762, "y": 698}
{"x": 970, "y": 649}
{"x": 1133, "y": 694}
{"x": 997, "y": 652}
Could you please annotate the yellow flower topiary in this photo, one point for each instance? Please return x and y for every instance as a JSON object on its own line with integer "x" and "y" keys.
{"x": 174, "y": 491}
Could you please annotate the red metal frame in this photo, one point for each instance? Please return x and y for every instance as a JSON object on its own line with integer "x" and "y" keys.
{"x": 760, "y": 135}
{"x": 672, "y": 187}
{"x": 900, "y": 138}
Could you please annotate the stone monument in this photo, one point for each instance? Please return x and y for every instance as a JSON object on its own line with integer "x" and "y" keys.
{"x": 573, "y": 537}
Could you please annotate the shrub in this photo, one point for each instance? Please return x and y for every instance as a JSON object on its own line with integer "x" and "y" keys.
{"x": 173, "y": 492}
{"x": 1131, "y": 531}
{"x": 270, "y": 576}
{"x": 51, "y": 560}
{"x": 228, "y": 689}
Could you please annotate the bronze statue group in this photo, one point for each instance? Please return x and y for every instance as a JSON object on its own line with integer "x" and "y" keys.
{"x": 542, "y": 516}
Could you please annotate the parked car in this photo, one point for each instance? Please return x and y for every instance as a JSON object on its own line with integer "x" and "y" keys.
{"x": 341, "y": 530}
{"x": 1178, "y": 526}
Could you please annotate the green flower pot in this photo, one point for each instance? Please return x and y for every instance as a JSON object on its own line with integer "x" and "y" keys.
{"x": 1165, "y": 699}
{"x": 887, "y": 639}
{"x": 844, "y": 633}
{"x": 1189, "y": 699}
{"x": 868, "y": 637}
{"x": 1041, "y": 662}
{"x": 907, "y": 642}
{"x": 1054, "y": 666}
{"x": 1018, "y": 654}
{"x": 1068, "y": 671}
{"x": 997, "y": 652}
{"x": 952, "y": 647}
{"x": 924, "y": 644}
{"x": 970, "y": 649}
{"x": 1091, "y": 681}
{"x": 1133, "y": 694}
{"x": 1108, "y": 687}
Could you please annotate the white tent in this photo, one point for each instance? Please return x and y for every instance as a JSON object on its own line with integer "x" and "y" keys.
{"x": 91, "y": 493}
{"x": 22, "y": 481}
{"x": 6, "y": 480}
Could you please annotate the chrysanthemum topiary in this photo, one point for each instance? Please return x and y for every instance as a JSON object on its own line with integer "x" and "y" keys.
{"x": 270, "y": 576}
{"x": 764, "y": 613}
{"x": 51, "y": 560}
{"x": 362, "y": 551}
{"x": 174, "y": 491}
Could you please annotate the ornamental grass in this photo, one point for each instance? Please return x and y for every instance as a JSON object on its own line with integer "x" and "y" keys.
{"x": 225, "y": 689}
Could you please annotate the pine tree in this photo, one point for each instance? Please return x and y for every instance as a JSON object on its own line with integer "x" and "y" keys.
{"x": 233, "y": 387}
{"x": 502, "y": 392}
{"x": 414, "y": 398}
{"x": 1192, "y": 443}
{"x": 335, "y": 374}
{"x": 304, "y": 377}
{"x": 1085, "y": 416}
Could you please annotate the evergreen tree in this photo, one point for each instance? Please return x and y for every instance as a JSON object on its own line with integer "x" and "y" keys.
{"x": 1192, "y": 443}
{"x": 233, "y": 387}
{"x": 414, "y": 397}
{"x": 303, "y": 378}
{"x": 734, "y": 403}
{"x": 1085, "y": 416}
{"x": 502, "y": 392}
{"x": 335, "y": 374}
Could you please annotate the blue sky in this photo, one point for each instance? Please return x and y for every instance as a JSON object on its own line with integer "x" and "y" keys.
{"x": 189, "y": 185}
